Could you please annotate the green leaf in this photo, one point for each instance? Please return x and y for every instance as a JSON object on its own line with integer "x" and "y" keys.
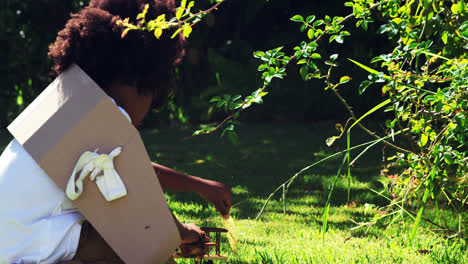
{"x": 458, "y": 7}
{"x": 345, "y": 33}
{"x": 331, "y": 140}
{"x": 447, "y": 109}
{"x": 384, "y": 28}
{"x": 310, "y": 33}
{"x": 316, "y": 56}
{"x": 232, "y": 135}
{"x": 445, "y": 37}
{"x": 327, "y": 204}
{"x": 318, "y": 23}
{"x": 358, "y": 9}
{"x": 345, "y": 79}
{"x": 334, "y": 57}
{"x": 375, "y": 108}
{"x": 309, "y": 19}
{"x": 312, "y": 45}
{"x": 303, "y": 61}
{"x": 312, "y": 65}
{"x": 297, "y": 18}
{"x": 258, "y": 54}
{"x": 464, "y": 30}
{"x": 215, "y": 99}
{"x": 236, "y": 97}
{"x": 339, "y": 39}
{"x": 304, "y": 71}
{"x": 339, "y": 127}
{"x": 368, "y": 68}
{"x": 424, "y": 139}
{"x": 448, "y": 158}
{"x": 422, "y": 205}
{"x": 363, "y": 86}
{"x": 19, "y": 98}
{"x": 262, "y": 67}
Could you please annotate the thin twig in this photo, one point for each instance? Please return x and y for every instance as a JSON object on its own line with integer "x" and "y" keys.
{"x": 337, "y": 94}
{"x": 202, "y": 12}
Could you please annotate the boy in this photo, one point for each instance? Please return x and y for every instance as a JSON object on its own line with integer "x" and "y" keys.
{"x": 38, "y": 223}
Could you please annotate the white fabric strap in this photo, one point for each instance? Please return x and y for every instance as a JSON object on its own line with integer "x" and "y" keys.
{"x": 109, "y": 183}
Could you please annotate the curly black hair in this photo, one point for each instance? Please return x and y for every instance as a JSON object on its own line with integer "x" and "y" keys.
{"x": 92, "y": 39}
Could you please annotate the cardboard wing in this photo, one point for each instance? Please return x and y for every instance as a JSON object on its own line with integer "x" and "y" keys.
{"x": 73, "y": 115}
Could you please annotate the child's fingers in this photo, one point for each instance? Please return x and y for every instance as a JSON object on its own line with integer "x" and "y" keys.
{"x": 227, "y": 204}
{"x": 221, "y": 208}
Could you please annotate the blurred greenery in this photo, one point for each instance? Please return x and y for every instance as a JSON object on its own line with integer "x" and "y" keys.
{"x": 26, "y": 30}
{"x": 219, "y": 60}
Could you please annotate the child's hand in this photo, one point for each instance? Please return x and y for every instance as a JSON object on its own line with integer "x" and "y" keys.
{"x": 190, "y": 233}
{"x": 217, "y": 194}
{"x": 193, "y": 240}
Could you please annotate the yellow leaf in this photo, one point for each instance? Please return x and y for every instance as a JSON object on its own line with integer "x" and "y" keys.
{"x": 158, "y": 33}
{"x": 424, "y": 139}
{"x": 161, "y": 18}
{"x": 175, "y": 33}
{"x": 142, "y": 15}
{"x": 124, "y": 33}
{"x": 191, "y": 4}
{"x": 179, "y": 12}
{"x": 187, "y": 31}
{"x": 232, "y": 234}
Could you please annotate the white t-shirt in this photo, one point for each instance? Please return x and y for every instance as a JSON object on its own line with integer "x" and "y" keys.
{"x": 38, "y": 223}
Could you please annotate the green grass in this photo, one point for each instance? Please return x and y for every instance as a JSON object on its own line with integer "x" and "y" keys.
{"x": 268, "y": 155}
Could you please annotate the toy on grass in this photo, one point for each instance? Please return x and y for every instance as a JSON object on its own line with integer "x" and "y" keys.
{"x": 201, "y": 251}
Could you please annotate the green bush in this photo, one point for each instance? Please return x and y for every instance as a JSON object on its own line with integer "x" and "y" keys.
{"x": 423, "y": 82}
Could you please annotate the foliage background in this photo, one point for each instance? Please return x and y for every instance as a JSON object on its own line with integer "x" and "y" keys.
{"x": 219, "y": 60}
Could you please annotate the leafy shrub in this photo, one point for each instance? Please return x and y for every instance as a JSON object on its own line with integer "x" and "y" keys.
{"x": 423, "y": 81}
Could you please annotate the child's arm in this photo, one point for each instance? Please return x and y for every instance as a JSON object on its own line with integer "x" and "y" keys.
{"x": 214, "y": 192}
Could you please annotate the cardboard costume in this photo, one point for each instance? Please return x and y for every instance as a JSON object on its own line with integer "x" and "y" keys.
{"x": 73, "y": 115}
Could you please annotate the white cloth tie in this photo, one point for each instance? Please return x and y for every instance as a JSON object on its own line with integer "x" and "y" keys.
{"x": 109, "y": 183}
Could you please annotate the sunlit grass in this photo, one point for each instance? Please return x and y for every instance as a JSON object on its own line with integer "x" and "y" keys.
{"x": 265, "y": 157}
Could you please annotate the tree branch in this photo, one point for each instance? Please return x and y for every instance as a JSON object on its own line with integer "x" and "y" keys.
{"x": 373, "y": 134}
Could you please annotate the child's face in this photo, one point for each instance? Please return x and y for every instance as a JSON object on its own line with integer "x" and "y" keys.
{"x": 138, "y": 108}
{"x": 127, "y": 97}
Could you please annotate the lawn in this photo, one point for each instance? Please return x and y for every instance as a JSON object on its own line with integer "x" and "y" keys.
{"x": 267, "y": 155}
